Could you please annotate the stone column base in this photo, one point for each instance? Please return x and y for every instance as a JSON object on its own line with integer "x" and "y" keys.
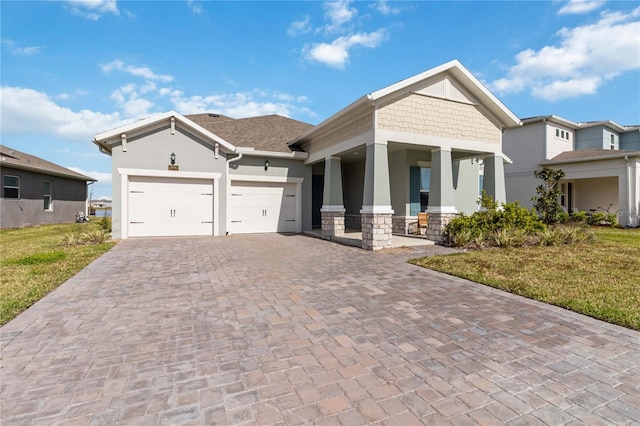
{"x": 405, "y": 224}
{"x": 376, "y": 230}
{"x": 436, "y": 224}
{"x": 332, "y": 223}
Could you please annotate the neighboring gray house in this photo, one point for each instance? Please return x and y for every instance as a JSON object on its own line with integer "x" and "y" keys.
{"x": 413, "y": 146}
{"x": 601, "y": 161}
{"x": 36, "y": 191}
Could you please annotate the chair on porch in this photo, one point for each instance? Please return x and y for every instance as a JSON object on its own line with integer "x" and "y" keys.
{"x": 423, "y": 218}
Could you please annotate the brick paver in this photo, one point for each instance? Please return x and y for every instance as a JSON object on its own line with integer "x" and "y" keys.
{"x": 275, "y": 329}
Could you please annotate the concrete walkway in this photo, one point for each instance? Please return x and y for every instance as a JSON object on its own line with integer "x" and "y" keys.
{"x": 276, "y": 329}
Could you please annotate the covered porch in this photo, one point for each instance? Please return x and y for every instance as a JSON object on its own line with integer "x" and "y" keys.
{"x": 378, "y": 189}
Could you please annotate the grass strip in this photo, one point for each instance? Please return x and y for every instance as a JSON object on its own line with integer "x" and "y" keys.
{"x": 34, "y": 263}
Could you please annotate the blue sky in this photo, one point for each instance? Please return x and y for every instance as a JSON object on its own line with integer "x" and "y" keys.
{"x": 71, "y": 69}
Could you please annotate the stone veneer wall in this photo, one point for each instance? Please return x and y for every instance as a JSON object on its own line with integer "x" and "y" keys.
{"x": 376, "y": 231}
{"x": 425, "y": 115}
{"x": 332, "y": 224}
{"x": 405, "y": 224}
{"x": 436, "y": 224}
{"x": 353, "y": 221}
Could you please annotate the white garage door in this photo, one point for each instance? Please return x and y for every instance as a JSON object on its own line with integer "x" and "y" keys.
{"x": 257, "y": 207}
{"x": 170, "y": 206}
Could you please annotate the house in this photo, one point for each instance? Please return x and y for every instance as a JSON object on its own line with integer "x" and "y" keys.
{"x": 414, "y": 146}
{"x": 36, "y": 191}
{"x": 601, "y": 162}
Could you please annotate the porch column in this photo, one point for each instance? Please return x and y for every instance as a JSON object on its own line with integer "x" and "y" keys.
{"x": 493, "y": 182}
{"x": 442, "y": 206}
{"x": 332, "y": 211}
{"x": 376, "y": 200}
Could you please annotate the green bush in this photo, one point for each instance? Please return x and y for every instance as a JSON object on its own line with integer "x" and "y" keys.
{"x": 105, "y": 223}
{"x": 493, "y": 217}
{"x": 579, "y": 217}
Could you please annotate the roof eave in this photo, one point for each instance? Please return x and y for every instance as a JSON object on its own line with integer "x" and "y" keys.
{"x": 599, "y": 158}
{"x": 78, "y": 176}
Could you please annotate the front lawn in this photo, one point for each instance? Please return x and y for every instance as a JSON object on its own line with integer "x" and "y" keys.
{"x": 600, "y": 279}
{"x": 34, "y": 262}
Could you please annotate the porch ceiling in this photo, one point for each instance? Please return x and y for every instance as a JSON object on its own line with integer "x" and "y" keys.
{"x": 359, "y": 153}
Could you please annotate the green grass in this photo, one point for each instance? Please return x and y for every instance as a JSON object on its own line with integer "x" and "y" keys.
{"x": 600, "y": 279}
{"x": 33, "y": 262}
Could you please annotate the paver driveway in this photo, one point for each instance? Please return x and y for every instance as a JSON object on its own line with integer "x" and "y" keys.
{"x": 293, "y": 330}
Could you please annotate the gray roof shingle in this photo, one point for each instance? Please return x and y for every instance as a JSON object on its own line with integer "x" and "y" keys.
{"x": 10, "y": 157}
{"x": 264, "y": 133}
{"x": 592, "y": 153}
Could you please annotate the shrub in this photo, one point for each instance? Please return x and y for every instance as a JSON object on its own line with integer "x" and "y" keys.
{"x": 95, "y": 236}
{"x": 546, "y": 200}
{"x": 563, "y": 217}
{"x": 71, "y": 239}
{"x": 105, "y": 223}
{"x": 477, "y": 227}
{"x": 548, "y": 237}
{"x": 579, "y": 217}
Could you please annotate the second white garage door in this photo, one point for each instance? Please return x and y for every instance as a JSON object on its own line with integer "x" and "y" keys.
{"x": 170, "y": 207}
{"x": 259, "y": 207}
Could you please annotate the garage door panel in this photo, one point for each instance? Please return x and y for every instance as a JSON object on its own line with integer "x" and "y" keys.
{"x": 170, "y": 206}
{"x": 259, "y": 207}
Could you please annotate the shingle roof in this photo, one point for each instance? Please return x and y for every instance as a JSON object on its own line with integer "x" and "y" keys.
{"x": 265, "y": 133}
{"x": 592, "y": 153}
{"x": 10, "y": 157}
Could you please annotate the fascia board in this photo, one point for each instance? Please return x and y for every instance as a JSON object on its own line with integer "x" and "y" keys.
{"x": 108, "y": 136}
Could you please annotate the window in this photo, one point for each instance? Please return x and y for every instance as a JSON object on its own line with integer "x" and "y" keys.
{"x": 557, "y": 132}
{"x": 562, "y": 134}
{"x": 419, "y": 189}
{"x": 613, "y": 142}
{"x": 11, "y": 187}
{"x": 480, "y": 179}
{"x": 46, "y": 191}
{"x": 567, "y": 135}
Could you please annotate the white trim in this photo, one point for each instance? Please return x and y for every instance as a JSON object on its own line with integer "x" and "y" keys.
{"x": 343, "y": 146}
{"x": 124, "y": 192}
{"x": 442, "y": 209}
{"x": 378, "y": 141}
{"x": 168, "y": 173}
{"x": 376, "y": 210}
{"x": 296, "y": 155}
{"x": 270, "y": 179}
{"x": 277, "y": 179}
{"x": 424, "y": 164}
{"x": 123, "y": 141}
{"x": 109, "y": 134}
{"x": 440, "y": 142}
{"x": 330, "y": 208}
{"x": 333, "y": 157}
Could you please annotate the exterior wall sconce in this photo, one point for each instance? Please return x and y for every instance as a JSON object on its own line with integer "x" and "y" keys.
{"x": 173, "y": 158}
{"x": 266, "y": 165}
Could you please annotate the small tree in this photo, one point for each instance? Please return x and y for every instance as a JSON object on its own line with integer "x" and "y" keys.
{"x": 546, "y": 201}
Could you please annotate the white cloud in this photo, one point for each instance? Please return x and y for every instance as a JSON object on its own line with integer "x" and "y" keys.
{"x": 143, "y": 72}
{"x": 194, "y": 6}
{"x": 130, "y": 101}
{"x": 585, "y": 58}
{"x": 241, "y": 104}
{"x": 383, "y": 7}
{"x": 580, "y": 6}
{"x": 338, "y": 13}
{"x": 299, "y": 27}
{"x": 336, "y": 53}
{"x": 102, "y": 177}
{"x": 93, "y": 9}
{"x": 21, "y": 50}
{"x": 27, "y": 110}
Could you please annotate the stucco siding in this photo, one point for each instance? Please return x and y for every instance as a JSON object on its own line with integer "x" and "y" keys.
{"x": 597, "y": 193}
{"x": 525, "y": 147}
{"x": 414, "y": 113}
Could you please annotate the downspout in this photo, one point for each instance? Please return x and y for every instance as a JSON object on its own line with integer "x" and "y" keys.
{"x": 226, "y": 204}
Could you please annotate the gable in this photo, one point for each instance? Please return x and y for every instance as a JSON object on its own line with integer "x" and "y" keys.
{"x": 446, "y": 88}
